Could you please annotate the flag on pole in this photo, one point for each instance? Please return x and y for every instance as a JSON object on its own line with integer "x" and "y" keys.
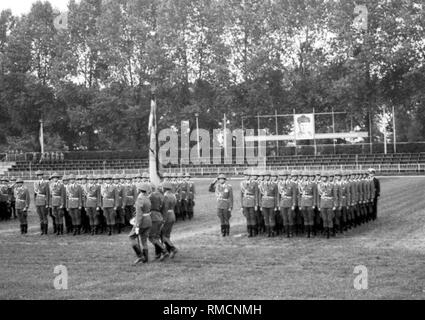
{"x": 153, "y": 146}
{"x": 41, "y": 136}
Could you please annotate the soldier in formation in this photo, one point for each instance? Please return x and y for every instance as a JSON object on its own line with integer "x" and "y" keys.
{"x": 307, "y": 203}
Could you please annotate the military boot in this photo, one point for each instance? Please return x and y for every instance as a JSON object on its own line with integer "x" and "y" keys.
{"x": 308, "y": 231}
{"x": 74, "y": 228}
{"x": 41, "y": 229}
{"x": 22, "y": 229}
{"x": 173, "y": 252}
{"x": 25, "y": 228}
{"x": 145, "y": 255}
{"x": 55, "y": 228}
{"x": 110, "y": 230}
{"x": 223, "y": 230}
{"x": 228, "y": 229}
{"x": 138, "y": 254}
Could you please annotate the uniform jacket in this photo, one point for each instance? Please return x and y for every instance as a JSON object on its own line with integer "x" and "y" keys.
{"x": 129, "y": 195}
{"x": 143, "y": 211}
{"x": 57, "y": 194}
{"x": 287, "y": 193}
{"x": 157, "y": 200}
{"x": 308, "y": 193}
{"x": 190, "y": 190}
{"x": 268, "y": 195}
{"x": 93, "y": 197}
{"x": 22, "y": 197}
{"x": 249, "y": 194}
{"x": 74, "y": 196}
{"x": 4, "y": 193}
{"x": 41, "y": 193}
{"x": 377, "y": 187}
{"x": 109, "y": 196}
{"x": 224, "y": 195}
{"x": 344, "y": 193}
{"x": 168, "y": 207}
{"x": 328, "y": 195}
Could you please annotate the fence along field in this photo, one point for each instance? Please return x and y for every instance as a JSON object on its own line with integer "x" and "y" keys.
{"x": 237, "y": 267}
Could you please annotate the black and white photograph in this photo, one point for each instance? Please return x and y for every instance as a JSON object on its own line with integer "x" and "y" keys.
{"x": 212, "y": 150}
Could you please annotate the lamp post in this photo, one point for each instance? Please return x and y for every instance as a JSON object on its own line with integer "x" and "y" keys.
{"x": 197, "y": 134}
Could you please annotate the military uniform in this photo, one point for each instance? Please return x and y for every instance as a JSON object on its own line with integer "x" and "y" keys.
{"x": 377, "y": 188}
{"x": 249, "y": 203}
{"x": 308, "y": 202}
{"x": 328, "y": 202}
{"x": 129, "y": 196}
{"x": 157, "y": 200}
{"x": 93, "y": 201}
{"x": 268, "y": 200}
{"x": 190, "y": 196}
{"x": 109, "y": 203}
{"x": 13, "y": 199}
{"x": 183, "y": 197}
{"x": 288, "y": 200}
{"x": 120, "y": 220}
{"x": 41, "y": 196}
{"x": 4, "y": 199}
{"x": 169, "y": 219}
{"x": 23, "y": 200}
{"x": 224, "y": 194}
{"x": 57, "y": 202}
{"x": 74, "y": 203}
{"x": 142, "y": 226}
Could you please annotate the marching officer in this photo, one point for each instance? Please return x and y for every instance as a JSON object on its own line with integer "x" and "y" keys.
{"x": 41, "y": 196}
{"x": 23, "y": 200}
{"x": 157, "y": 200}
{"x": 328, "y": 197}
{"x": 261, "y": 227}
{"x": 142, "y": 224}
{"x": 308, "y": 195}
{"x": 85, "y": 221}
{"x": 287, "y": 189}
{"x": 183, "y": 196}
{"x": 190, "y": 195}
{"x": 278, "y": 218}
{"x": 92, "y": 203}
{"x": 57, "y": 201}
{"x": 169, "y": 218}
{"x": 224, "y": 194}
{"x": 110, "y": 202}
{"x": 249, "y": 202}
{"x": 74, "y": 203}
{"x": 268, "y": 202}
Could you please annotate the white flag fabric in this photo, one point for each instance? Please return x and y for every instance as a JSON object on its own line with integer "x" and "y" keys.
{"x": 153, "y": 159}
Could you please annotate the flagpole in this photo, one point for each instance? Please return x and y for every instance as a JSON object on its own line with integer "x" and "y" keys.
{"x": 394, "y": 131}
{"x": 225, "y": 135}
{"x": 153, "y": 168}
{"x": 385, "y": 131}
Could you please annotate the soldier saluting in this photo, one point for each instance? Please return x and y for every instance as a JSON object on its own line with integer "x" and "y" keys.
{"x": 224, "y": 194}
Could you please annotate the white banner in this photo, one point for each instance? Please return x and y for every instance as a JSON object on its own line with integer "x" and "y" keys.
{"x": 304, "y": 126}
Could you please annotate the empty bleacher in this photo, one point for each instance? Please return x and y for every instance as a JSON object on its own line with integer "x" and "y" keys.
{"x": 383, "y": 163}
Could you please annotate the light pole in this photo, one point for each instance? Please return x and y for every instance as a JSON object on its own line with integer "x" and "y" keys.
{"x": 197, "y": 134}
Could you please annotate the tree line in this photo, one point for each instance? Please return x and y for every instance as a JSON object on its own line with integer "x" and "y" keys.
{"x": 91, "y": 82}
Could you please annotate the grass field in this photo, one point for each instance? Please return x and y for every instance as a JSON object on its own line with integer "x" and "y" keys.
{"x": 211, "y": 267}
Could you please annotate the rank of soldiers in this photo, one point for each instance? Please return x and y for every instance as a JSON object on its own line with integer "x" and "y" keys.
{"x": 89, "y": 204}
{"x": 297, "y": 203}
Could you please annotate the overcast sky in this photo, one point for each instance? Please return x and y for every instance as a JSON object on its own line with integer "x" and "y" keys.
{"x": 23, "y": 6}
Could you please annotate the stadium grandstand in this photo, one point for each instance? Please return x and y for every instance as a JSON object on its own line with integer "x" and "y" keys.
{"x": 132, "y": 162}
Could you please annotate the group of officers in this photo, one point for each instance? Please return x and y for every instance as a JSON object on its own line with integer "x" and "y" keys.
{"x": 88, "y": 204}
{"x": 296, "y": 203}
